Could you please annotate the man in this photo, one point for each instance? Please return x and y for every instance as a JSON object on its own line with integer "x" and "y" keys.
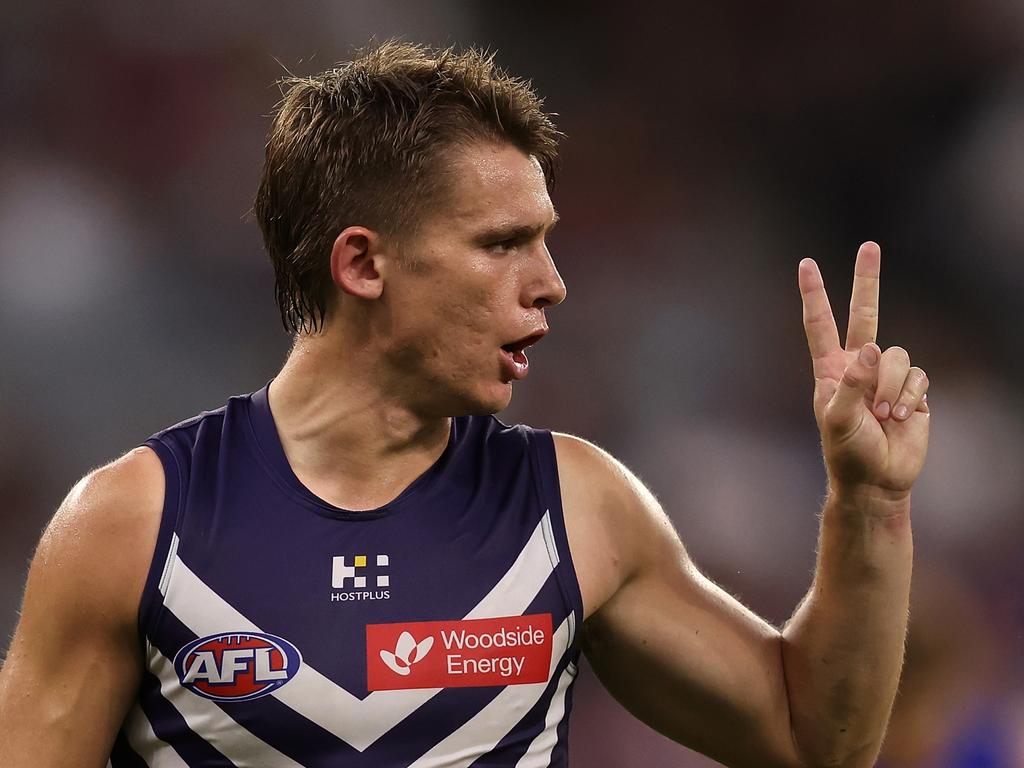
{"x": 357, "y": 565}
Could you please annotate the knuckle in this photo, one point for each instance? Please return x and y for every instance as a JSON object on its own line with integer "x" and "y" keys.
{"x": 867, "y": 311}
{"x": 815, "y": 318}
{"x": 888, "y": 390}
{"x": 897, "y": 354}
{"x": 918, "y": 379}
{"x": 915, "y": 387}
{"x": 853, "y": 376}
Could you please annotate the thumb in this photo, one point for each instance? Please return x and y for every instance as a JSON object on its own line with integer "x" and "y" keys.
{"x": 844, "y": 410}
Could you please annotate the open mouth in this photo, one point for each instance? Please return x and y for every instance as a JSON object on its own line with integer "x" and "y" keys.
{"x": 517, "y": 347}
{"x": 515, "y": 354}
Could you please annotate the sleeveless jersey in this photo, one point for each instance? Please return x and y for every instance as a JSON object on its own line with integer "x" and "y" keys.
{"x": 281, "y": 631}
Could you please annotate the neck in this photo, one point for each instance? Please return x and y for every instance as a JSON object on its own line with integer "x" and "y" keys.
{"x": 348, "y": 440}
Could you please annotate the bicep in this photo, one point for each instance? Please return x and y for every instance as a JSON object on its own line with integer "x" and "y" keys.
{"x": 690, "y": 661}
{"x": 675, "y": 649}
{"x": 74, "y": 663}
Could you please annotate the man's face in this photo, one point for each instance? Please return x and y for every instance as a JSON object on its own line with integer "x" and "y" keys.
{"x": 475, "y": 282}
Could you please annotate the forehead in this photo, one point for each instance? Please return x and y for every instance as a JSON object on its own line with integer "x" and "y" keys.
{"x": 494, "y": 184}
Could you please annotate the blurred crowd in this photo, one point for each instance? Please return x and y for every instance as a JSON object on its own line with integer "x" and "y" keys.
{"x": 709, "y": 148}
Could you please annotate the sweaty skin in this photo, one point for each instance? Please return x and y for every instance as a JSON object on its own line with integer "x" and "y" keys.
{"x": 415, "y": 338}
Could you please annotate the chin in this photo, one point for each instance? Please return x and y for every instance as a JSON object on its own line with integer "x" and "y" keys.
{"x": 495, "y": 398}
{"x": 494, "y": 406}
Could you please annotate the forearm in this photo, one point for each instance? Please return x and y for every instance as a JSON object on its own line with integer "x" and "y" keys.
{"x": 843, "y": 648}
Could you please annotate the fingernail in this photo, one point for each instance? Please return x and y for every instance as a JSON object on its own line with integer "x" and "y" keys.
{"x": 882, "y": 410}
{"x": 868, "y": 355}
{"x": 900, "y": 412}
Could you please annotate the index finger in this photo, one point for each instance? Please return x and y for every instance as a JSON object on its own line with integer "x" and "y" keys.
{"x": 819, "y": 323}
{"x": 863, "y": 327}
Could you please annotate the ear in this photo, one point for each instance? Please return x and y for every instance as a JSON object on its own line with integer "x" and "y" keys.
{"x": 356, "y": 261}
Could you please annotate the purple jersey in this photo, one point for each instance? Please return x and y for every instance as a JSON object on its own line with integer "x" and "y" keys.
{"x": 279, "y": 630}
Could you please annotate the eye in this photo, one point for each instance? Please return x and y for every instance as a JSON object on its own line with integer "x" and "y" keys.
{"x": 504, "y": 246}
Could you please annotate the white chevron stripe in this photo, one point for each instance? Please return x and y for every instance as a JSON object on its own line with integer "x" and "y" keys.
{"x": 359, "y": 722}
{"x": 172, "y": 555}
{"x": 522, "y": 581}
{"x": 539, "y": 753}
{"x": 147, "y": 745}
{"x": 232, "y": 740}
{"x": 479, "y": 735}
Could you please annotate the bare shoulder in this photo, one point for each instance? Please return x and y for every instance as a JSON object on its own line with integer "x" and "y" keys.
{"x": 585, "y": 465}
{"x": 612, "y": 519}
{"x": 103, "y": 534}
{"x": 121, "y": 499}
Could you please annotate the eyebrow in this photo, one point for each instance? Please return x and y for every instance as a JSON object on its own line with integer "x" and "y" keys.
{"x": 516, "y": 232}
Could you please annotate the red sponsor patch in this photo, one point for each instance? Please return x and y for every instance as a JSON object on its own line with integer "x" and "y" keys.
{"x": 510, "y": 650}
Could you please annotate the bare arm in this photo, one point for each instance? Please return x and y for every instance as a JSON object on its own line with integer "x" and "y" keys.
{"x": 74, "y": 664}
{"x": 843, "y": 648}
{"x": 692, "y": 662}
{"x": 844, "y": 645}
{"x": 678, "y": 652}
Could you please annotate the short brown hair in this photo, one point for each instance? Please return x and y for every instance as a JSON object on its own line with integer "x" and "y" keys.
{"x": 360, "y": 145}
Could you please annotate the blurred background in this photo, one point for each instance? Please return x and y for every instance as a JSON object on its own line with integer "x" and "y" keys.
{"x": 710, "y": 147}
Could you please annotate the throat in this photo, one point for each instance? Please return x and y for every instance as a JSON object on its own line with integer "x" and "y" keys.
{"x": 362, "y": 475}
{"x": 353, "y": 450}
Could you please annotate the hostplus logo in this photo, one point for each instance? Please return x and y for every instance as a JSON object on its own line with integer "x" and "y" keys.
{"x": 349, "y": 578}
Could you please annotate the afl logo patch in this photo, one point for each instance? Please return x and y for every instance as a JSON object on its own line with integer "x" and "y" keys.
{"x": 236, "y": 667}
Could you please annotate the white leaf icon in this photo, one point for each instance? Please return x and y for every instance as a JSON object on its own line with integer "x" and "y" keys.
{"x": 393, "y": 664}
{"x": 422, "y": 648}
{"x": 406, "y": 643}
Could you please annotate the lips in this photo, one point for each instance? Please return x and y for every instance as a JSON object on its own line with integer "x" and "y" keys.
{"x": 527, "y": 341}
{"x": 514, "y": 355}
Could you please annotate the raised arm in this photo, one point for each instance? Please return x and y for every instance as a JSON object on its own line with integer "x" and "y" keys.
{"x": 692, "y": 662}
{"x": 843, "y": 648}
{"x": 75, "y": 661}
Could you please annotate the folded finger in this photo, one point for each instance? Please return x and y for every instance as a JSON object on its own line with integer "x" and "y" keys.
{"x": 846, "y": 406}
{"x": 914, "y": 395}
{"x": 892, "y": 373}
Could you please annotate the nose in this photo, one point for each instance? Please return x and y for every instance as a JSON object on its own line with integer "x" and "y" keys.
{"x": 546, "y": 288}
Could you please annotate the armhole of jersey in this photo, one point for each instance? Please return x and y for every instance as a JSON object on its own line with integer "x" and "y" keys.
{"x": 545, "y": 465}
{"x": 151, "y": 605}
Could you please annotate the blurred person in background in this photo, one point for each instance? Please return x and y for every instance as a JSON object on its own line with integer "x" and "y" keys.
{"x": 405, "y": 206}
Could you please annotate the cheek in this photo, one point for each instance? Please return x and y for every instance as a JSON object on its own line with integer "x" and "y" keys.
{"x": 469, "y": 333}
{"x": 451, "y": 335}
{"x": 455, "y": 322}
{"x": 470, "y": 315}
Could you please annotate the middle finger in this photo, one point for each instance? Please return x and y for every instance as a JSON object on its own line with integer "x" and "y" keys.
{"x": 863, "y": 327}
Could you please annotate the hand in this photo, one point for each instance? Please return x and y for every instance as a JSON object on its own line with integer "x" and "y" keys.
{"x": 871, "y": 406}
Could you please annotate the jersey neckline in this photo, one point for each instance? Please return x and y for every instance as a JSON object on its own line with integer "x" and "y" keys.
{"x": 268, "y": 446}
